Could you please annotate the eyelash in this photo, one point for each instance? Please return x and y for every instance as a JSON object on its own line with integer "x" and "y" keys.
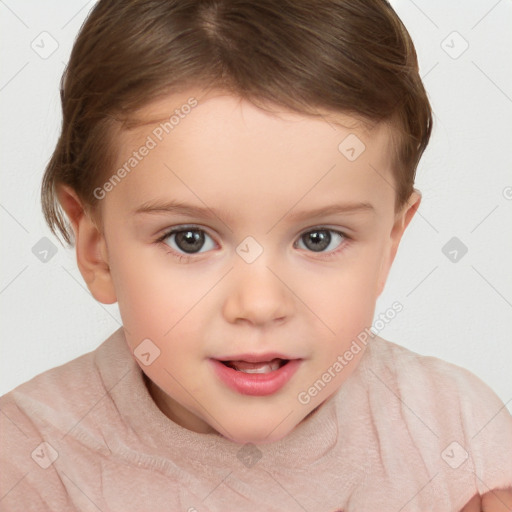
{"x": 184, "y": 258}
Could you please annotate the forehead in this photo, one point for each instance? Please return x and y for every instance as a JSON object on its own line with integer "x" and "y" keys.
{"x": 217, "y": 105}
{"x": 210, "y": 142}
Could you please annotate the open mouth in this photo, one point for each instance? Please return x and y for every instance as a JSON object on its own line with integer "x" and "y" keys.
{"x": 261, "y": 367}
{"x": 262, "y": 377}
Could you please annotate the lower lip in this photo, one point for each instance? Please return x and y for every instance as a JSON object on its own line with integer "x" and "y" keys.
{"x": 256, "y": 384}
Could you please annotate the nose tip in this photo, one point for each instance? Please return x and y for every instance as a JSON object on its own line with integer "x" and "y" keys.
{"x": 256, "y": 295}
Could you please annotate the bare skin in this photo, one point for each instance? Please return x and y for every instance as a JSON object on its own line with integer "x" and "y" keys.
{"x": 498, "y": 500}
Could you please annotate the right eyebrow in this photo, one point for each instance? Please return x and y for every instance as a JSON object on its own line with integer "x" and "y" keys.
{"x": 165, "y": 207}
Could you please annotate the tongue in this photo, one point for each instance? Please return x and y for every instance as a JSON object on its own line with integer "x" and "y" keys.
{"x": 245, "y": 365}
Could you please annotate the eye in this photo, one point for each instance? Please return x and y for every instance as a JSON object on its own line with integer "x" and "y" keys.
{"x": 188, "y": 240}
{"x": 321, "y": 240}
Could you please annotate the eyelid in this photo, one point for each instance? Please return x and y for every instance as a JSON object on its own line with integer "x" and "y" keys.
{"x": 322, "y": 227}
{"x": 166, "y": 232}
{"x": 328, "y": 227}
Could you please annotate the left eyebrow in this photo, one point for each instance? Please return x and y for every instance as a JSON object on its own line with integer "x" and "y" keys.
{"x": 334, "y": 209}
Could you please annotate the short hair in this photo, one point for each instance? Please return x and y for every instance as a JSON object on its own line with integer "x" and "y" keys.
{"x": 349, "y": 56}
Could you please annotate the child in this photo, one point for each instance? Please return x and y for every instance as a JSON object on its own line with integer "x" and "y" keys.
{"x": 279, "y": 140}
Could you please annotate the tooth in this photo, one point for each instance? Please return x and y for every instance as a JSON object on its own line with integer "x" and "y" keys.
{"x": 262, "y": 369}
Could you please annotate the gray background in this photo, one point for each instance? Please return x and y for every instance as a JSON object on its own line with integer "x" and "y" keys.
{"x": 459, "y": 311}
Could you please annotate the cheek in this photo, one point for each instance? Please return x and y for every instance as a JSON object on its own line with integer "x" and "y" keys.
{"x": 157, "y": 303}
{"x": 345, "y": 297}
{"x": 153, "y": 293}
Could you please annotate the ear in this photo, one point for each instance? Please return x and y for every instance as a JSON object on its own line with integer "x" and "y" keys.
{"x": 91, "y": 248}
{"x": 402, "y": 220}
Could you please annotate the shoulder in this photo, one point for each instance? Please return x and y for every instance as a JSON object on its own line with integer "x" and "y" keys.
{"x": 52, "y": 391}
{"x": 428, "y": 376}
{"x": 450, "y": 414}
{"x": 57, "y": 387}
{"x": 35, "y": 417}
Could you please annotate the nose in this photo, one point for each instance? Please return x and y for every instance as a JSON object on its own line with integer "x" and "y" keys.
{"x": 257, "y": 294}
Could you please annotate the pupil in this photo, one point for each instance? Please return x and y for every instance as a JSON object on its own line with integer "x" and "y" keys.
{"x": 321, "y": 239}
{"x": 189, "y": 241}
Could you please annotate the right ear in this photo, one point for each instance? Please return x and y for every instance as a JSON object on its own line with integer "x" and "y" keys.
{"x": 91, "y": 248}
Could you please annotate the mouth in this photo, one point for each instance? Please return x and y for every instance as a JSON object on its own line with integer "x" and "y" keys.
{"x": 258, "y": 376}
{"x": 261, "y": 367}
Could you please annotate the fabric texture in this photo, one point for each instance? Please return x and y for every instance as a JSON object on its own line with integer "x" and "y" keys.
{"x": 404, "y": 433}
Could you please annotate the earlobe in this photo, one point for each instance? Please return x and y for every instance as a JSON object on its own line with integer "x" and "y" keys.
{"x": 91, "y": 248}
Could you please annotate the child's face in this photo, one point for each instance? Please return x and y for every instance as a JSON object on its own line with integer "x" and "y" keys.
{"x": 256, "y": 176}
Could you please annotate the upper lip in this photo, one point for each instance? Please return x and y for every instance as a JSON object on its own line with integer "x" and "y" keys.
{"x": 256, "y": 358}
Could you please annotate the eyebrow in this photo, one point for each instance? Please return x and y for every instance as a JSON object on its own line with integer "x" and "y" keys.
{"x": 334, "y": 209}
{"x": 177, "y": 207}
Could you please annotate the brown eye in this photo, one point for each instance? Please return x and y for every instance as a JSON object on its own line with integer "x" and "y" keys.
{"x": 188, "y": 240}
{"x": 318, "y": 240}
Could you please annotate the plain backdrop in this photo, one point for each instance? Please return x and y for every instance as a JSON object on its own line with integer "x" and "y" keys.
{"x": 452, "y": 273}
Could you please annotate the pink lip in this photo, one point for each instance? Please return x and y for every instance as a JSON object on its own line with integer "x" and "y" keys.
{"x": 256, "y": 384}
{"x": 255, "y": 358}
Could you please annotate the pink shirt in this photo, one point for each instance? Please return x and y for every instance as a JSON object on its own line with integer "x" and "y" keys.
{"x": 404, "y": 433}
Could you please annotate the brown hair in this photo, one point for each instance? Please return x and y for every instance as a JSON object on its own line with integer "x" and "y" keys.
{"x": 348, "y": 56}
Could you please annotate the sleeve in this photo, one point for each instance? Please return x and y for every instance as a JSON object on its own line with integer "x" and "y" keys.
{"x": 28, "y": 480}
{"x": 460, "y": 430}
{"x": 487, "y": 425}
